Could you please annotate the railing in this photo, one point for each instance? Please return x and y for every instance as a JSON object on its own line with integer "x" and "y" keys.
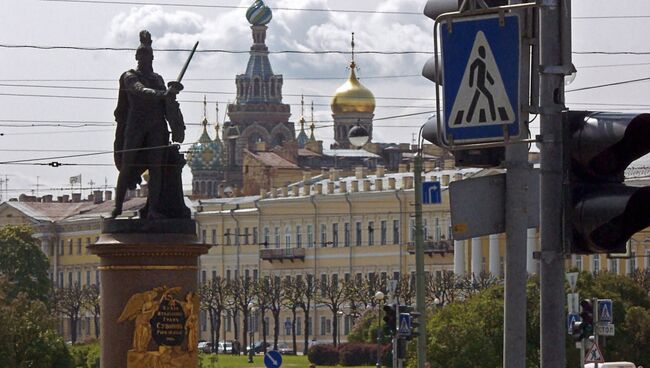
{"x": 282, "y": 254}
{"x": 432, "y": 247}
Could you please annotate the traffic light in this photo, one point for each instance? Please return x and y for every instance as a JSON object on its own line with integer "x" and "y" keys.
{"x": 576, "y": 331}
{"x": 587, "y": 316}
{"x": 390, "y": 319}
{"x": 601, "y": 212}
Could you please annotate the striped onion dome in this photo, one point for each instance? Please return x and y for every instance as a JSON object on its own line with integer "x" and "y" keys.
{"x": 259, "y": 14}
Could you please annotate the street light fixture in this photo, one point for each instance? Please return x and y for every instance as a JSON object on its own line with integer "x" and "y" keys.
{"x": 358, "y": 136}
{"x": 379, "y": 298}
{"x": 251, "y": 350}
{"x": 339, "y": 314}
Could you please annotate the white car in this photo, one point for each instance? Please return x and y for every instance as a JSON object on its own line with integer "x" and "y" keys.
{"x": 225, "y": 347}
{"x": 612, "y": 365}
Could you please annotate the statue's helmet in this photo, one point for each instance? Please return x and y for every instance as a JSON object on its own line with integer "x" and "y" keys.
{"x": 144, "y": 51}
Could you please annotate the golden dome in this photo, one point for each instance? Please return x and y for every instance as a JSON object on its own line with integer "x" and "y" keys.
{"x": 352, "y": 96}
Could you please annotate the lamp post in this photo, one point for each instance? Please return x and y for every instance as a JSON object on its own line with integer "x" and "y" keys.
{"x": 251, "y": 350}
{"x": 339, "y": 314}
{"x": 379, "y": 298}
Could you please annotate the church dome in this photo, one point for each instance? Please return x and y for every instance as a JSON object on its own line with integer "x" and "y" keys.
{"x": 259, "y": 14}
{"x": 352, "y": 96}
{"x": 205, "y": 154}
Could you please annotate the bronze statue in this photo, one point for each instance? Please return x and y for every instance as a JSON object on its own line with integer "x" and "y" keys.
{"x": 142, "y": 143}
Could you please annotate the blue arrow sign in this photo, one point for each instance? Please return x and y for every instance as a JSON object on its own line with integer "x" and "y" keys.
{"x": 480, "y": 71}
{"x": 431, "y": 193}
{"x": 272, "y": 359}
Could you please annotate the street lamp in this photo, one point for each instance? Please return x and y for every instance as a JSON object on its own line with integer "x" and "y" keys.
{"x": 358, "y": 136}
{"x": 251, "y": 350}
{"x": 379, "y": 298}
{"x": 339, "y": 314}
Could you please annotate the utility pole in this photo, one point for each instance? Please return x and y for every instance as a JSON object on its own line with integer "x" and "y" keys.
{"x": 551, "y": 104}
{"x": 419, "y": 257}
{"x": 516, "y": 221}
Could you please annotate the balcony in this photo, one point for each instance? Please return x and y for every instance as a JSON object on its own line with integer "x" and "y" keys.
{"x": 432, "y": 247}
{"x": 289, "y": 254}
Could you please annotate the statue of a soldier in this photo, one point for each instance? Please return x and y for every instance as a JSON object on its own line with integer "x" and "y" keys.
{"x": 142, "y": 143}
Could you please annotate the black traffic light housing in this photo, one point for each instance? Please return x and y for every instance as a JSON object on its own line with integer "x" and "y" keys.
{"x": 390, "y": 319}
{"x": 601, "y": 212}
{"x": 587, "y": 315}
{"x": 415, "y": 324}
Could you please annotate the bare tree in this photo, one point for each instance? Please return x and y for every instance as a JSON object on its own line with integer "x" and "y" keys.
{"x": 405, "y": 290}
{"x": 333, "y": 294}
{"x": 305, "y": 293}
{"x": 214, "y": 295}
{"x": 273, "y": 294}
{"x": 91, "y": 304}
{"x": 263, "y": 301}
{"x": 291, "y": 301}
{"x": 642, "y": 278}
{"x": 445, "y": 286}
{"x": 69, "y": 301}
{"x": 242, "y": 290}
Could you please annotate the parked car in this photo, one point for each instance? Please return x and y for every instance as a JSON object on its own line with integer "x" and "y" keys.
{"x": 205, "y": 346}
{"x": 284, "y": 349}
{"x": 258, "y": 347}
{"x": 225, "y": 346}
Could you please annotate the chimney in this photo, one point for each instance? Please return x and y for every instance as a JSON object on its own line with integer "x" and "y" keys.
{"x": 97, "y": 195}
{"x": 343, "y": 186}
{"x": 315, "y": 146}
{"x": 403, "y": 168}
{"x": 319, "y": 188}
{"x": 445, "y": 180}
{"x": 334, "y": 174}
{"x": 358, "y": 172}
{"x": 323, "y": 172}
{"x": 355, "y": 186}
{"x": 306, "y": 190}
{"x": 381, "y": 170}
{"x": 108, "y": 195}
{"x": 222, "y": 190}
{"x": 306, "y": 175}
{"x": 330, "y": 187}
{"x": 428, "y": 166}
{"x": 458, "y": 176}
{"x": 47, "y": 198}
{"x": 274, "y": 192}
{"x": 366, "y": 185}
{"x": 262, "y": 193}
{"x": 236, "y": 191}
{"x": 285, "y": 191}
{"x": 379, "y": 184}
{"x": 295, "y": 191}
{"x": 391, "y": 183}
{"x": 138, "y": 193}
{"x": 76, "y": 197}
{"x": 65, "y": 198}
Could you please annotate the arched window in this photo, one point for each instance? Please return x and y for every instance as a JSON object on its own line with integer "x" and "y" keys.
{"x": 210, "y": 192}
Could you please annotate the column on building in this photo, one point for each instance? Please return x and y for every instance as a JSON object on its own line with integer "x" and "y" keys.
{"x": 531, "y": 246}
{"x": 495, "y": 259}
{"x": 459, "y": 257}
{"x": 477, "y": 256}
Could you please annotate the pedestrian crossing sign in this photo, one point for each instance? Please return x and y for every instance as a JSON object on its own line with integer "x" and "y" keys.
{"x": 605, "y": 311}
{"x": 404, "y": 328}
{"x": 480, "y": 71}
{"x": 594, "y": 355}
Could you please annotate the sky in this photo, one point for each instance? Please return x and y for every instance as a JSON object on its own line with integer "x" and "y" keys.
{"x": 46, "y": 94}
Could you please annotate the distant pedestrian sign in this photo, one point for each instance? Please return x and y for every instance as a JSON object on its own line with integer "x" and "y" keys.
{"x": 404, "y": 325}
{"x": 480, "y": 71}
{"x": 605, "y": 311}
{"x": 571, "y": 319}
{"x": 272, "y": 359}
{"x": 431, "y": 192}
{"x": 594, "y": 355}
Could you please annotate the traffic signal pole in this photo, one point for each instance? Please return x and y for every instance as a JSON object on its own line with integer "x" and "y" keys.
{"x": 551, "y": 104}
{"x": 419, "y": 258}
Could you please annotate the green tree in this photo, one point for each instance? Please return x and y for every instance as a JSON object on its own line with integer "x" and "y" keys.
{"x": 23, "y": 264}
{"x": 27, "y": 336}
